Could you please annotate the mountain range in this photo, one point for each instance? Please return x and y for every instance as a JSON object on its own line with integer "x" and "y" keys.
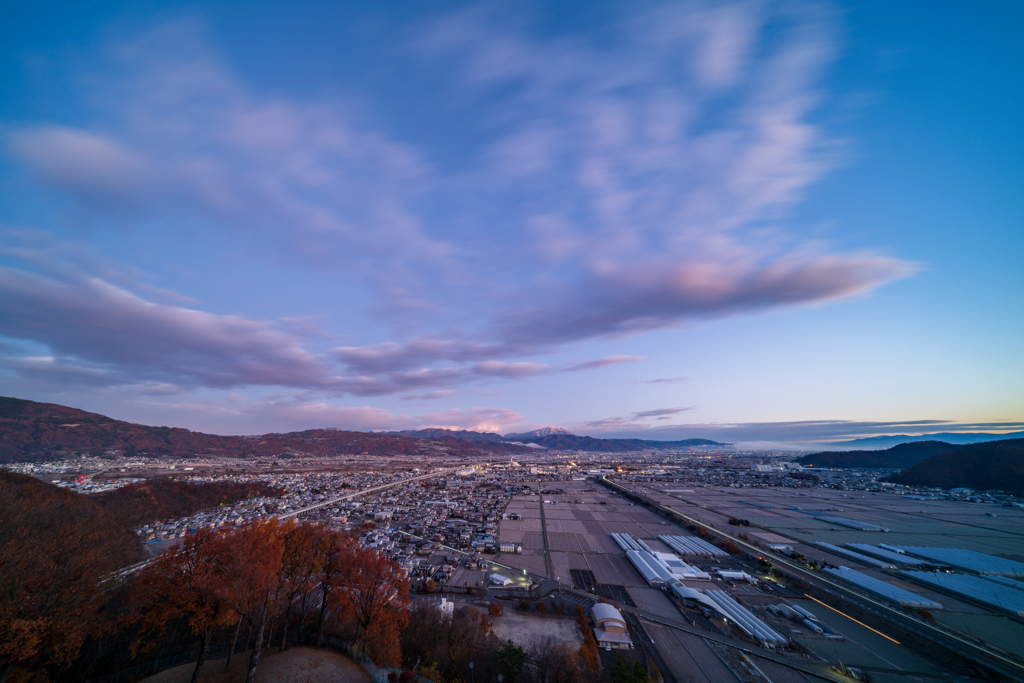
{"x": 880, "y": 442}
{"x": 37, "y": 431}
{"x": 538, "y": 433}
{"x": 439, "y": 433}
{"x": 558, "y": 439}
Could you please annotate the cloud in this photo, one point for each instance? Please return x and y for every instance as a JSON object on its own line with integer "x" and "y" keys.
{"x": 608, "y": 183}
{"x": 604, "y": 362}
{"x": 498, "y": 420}
{"x": 660, "y": 413}
{"x": 97, "y": 329}
{"x": 664, "y": 380}
{"x": 806, "y": 432}
{"x": 430, "y": 396}
{"x": 98, "y": 169}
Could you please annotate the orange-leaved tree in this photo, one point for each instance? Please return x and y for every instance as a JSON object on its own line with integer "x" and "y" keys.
{"x": 184, "y": 582}
{"x": 56, "y": 547}
{"x": 300, "y": 564}
{"x": 250, "y": 564}
{"x": 333, "y": 552}
{"x": 375, "y": 594}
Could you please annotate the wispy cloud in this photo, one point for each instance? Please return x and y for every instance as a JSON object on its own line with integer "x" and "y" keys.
{"x": 612, "y": 184}
{"x": 660, "y": 413}
{"x": 807, "y": 432}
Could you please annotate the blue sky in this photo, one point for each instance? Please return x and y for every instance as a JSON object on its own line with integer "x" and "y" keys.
{"x": 752, "y": 221}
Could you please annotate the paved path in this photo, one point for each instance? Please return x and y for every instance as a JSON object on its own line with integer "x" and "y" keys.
{"x": 547, "y": 547}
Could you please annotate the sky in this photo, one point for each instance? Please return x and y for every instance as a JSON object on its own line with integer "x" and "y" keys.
{"x": 772, "y": 222}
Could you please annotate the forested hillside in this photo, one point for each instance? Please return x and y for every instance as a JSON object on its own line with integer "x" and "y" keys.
{"x": 30, "y": 430}
{"x": 996, "y": 465}
{"x": 165, "y": 498}
{"x": 903, "y": 455}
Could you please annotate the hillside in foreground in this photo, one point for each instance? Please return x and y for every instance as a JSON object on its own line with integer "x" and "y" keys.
{"x": 996, "y": 465}
{"x": 903, "y": 455}
{"x": 36, "y": 431}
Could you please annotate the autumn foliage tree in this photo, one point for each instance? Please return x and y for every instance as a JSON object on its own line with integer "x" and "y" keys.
{"x": 250, "y": 563}
{"x": 56, "y": 550}
{"x": 300, "y": 564}
{"x": 588, "y": 654}
{"x": 185, "y": 582}
{"x": 375, "y": 595}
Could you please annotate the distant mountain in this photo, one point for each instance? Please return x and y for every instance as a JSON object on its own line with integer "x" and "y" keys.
{"x": 571, "y": 442}
{"x": 537, "y": 433}
{"x": 455, "y": 434}
{"x": 903, "y": 455}
{"x": 948, "y": 437}
{"x": 995, "y": 465}
{"x": 558, "y": 439}
{"x": 37, "y": 431}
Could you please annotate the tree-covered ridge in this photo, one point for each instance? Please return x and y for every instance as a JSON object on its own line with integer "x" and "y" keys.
{"x": 996, "y": 465}
{"x": 165, "y": 498}
{"x": 903, "y": 455}
{"x": 30, "y": 430}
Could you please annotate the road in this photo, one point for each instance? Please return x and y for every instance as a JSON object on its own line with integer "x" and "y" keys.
{"x": 363, "y": 492}
{"x": 126, "y": 571}
{"x": 979, "y": 653}
{"x": 544, "y": 535}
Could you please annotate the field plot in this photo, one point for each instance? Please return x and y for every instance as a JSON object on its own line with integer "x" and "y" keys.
{"x": 510, "y": 535}
{"x": 533, "y": 540}
{"x": 653, "y": 600}
{"x": 525, "y": 629}
{"x": 530, "y": 524}
{"x": 563, "y": 542}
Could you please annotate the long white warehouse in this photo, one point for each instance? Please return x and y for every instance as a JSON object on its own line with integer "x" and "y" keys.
{"x": 656, "y": 568}
{"x": 883, "y": 554}
{"x": 975, "y": 588}
{"x": 722, "y": 602}
{"x": 691, "y": 545}
{"x": 863, "y": 559}
{"x": 883, "y": 589}
{"x": 968, "y": 559}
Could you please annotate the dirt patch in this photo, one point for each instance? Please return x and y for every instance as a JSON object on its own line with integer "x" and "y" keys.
{"x": 528, "y": 629}
{"x": 295, "y": 665}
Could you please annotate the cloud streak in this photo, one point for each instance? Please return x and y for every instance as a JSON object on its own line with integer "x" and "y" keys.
{"x": 606, "y": 185}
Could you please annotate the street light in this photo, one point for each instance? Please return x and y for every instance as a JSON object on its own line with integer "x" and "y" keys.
{"x": 471, "y": 669}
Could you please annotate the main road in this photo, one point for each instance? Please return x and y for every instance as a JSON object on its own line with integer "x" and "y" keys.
{"x": 121, "y": 573}
{"x": 980, "y": 653}
{"x": 363, "y": 492}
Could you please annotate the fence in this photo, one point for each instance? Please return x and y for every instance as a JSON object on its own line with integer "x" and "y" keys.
{"x": 378, "y": 674}
{"x": 141, "y": 671}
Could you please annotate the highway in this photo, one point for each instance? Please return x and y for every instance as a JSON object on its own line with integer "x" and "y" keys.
{"x": 980, "y": 653}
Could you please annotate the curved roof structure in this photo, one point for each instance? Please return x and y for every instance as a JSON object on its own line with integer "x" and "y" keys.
{"x": 603, "y": 611}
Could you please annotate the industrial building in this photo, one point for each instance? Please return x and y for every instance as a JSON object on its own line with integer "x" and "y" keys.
{"x": 610, "y": 628}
